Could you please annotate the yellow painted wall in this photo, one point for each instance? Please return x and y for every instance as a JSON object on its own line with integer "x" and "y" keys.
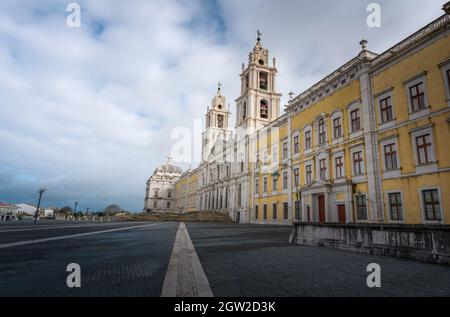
{"x": 424, "y": 61}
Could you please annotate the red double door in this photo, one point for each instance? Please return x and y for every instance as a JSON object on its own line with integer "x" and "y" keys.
{"x": 321, "y": 203}
{"x": 341, "y": 214}
{"x": 341, "y": 210}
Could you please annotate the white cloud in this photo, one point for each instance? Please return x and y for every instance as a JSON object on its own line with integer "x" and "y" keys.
{"x": 88, "y": 112}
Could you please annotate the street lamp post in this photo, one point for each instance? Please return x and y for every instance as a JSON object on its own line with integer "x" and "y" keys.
{"x": 36, "y": 214}
{"x": 75, "y": 209}
{"x": 276, "y": 176}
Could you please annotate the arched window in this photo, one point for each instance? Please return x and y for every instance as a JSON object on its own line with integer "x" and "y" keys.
{"x": 322, "y": 131}
{"x": 220, "y": 120}
{"x": 156, "y": 192}
{"x": 169, "y": 193}
{"x": 168, "y": 204}
{"x": 244, "y": 110}
{"x": 264, "y": 109}
{"x": 263, "y": 80}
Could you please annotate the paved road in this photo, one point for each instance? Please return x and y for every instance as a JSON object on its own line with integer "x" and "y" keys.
{"x": 120, "y": 263}
{"x": 132, "y": 259}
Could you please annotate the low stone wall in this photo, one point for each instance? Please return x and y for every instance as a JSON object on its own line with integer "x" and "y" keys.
{"x": 420, "y": 242}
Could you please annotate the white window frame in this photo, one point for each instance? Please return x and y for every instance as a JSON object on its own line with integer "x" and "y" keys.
{"x": 309, "y": 163}
{"x": 350, "y": 108}
{"x": 412, "y": 82}
{"x": 432, "y": 165}
{"x": 323, "y": 156}
{"x": 394, "y": 173}
{"x": 306, "y": 129}
{"x": 275, "y": 154}
{"x": 339, "y": 154}
{"x": 265, "y": 185}
{"x": 422, "y": 206}
{"x": 335, "y": 115}
{"x": 297, "y": 166}
{"x": 355, "y": 204}
{"x": 445, "y": 66}
{"x": 283, "y": 189}
{"x": 275, "y": 189}
{"x": 296, "y": 134}
{"x": 361, "y": 177}
{"x": 388, "y": 204}
{"x": 387, "y": 93}
{"x": 284, "y": 159}
{"x": 322, "y": 116}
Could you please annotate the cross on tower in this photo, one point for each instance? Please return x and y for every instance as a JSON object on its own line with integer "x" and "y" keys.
{"x": 259, "y": 35}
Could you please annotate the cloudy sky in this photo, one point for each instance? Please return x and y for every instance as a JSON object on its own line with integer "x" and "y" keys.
{"x": 88, "y": 112}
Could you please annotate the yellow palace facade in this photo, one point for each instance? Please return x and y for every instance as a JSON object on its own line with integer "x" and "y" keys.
{"x": 369, "y": 143}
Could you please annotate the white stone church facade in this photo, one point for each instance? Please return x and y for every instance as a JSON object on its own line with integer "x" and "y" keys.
{"x": 223, "y": 176}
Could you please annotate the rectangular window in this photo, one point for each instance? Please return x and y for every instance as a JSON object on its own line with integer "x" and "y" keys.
{"x": 322, "y": 132}
{"x": 265, "y": 184}
{"x": 395, "y": 206}
{"x": 308, "y": 142}
{"x": 274, "y": 211}
{"x": 266, "y": 158}
{"x": 361, "y": 207}
{"x": 274, "y": 185}
{"x": 296, "y": 144}
{"x": 386, "y": 109}
{"x": 265, "y": 212}
{"x": 256, "y": 186}
{"x": 285, "y": 180}
{"x": 357, "y": 163}
{"x": 274, "y": 154}
{"x": 390, "y": 157}
{"x": 285, "y": 211}
{"x": 296, "y": 176}
{"x": 339, "y": 164}
{"x": 355, "y": 119}
{"x": 432, "y": 205}
{"x": 256, "y": 212}
{"x": 423, "y": 144}
{"x": 285, "y": 150}
{"x": 337, "y": 126}
{"x": 417, "y": 97}
{"x": 308, "y": 174}
{"x": 448, "y": 80}
{"x": 323, "y": 169}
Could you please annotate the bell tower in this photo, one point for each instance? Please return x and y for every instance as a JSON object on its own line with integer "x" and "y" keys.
{"x": 259, "y": 102}
{"x": 217, "y": 118}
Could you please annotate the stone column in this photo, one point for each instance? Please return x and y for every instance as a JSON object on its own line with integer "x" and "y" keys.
{"x": 373, "y": 170}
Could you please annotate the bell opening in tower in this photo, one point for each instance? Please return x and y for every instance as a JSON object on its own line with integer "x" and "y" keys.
{"x": 263, "y": 80}
{"x": 264, "y": 109}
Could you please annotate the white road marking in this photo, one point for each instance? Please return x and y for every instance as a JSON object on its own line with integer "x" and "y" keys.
{"x": 185, "y": 276}
{"x": 57, "y": 227}
{"x": 20, "y": 243}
